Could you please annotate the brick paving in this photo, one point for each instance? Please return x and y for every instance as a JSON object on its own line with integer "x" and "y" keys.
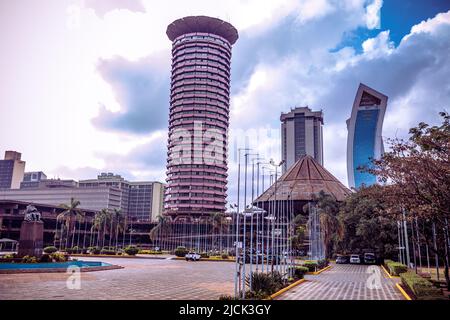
{"x": 149, "y": 279}
{"x": 343, "y": 282}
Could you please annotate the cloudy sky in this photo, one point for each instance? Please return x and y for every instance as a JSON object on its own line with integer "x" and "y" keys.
{"x": 84, "y": 85}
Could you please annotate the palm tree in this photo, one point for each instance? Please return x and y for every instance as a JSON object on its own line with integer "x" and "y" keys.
{"x": 70, "y": 214}
{"x": 331, "y": 228}
{"x": 100, "y": 224}
{"x": 118, "y": 224}
{"x": 162, "y": 227}
{"x": 217, "y": 223}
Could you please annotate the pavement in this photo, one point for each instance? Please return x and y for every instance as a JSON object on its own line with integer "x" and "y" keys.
{"x": 169, "y": 279}
{"x": 346, "y": 282}
{"x": 141, "y": 279}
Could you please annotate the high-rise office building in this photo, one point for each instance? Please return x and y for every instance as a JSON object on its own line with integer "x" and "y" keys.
{"x": 301, "y": 134}
{"x": 12, "y": 169}
{"x": 145, "y": 201}
{"x": 108, "y": 179}
{"x": 199, "y": 115}
{"x": 364, "y": 141}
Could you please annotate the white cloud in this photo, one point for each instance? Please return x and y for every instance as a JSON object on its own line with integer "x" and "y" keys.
{"x": 373, "y": 20}
{"x": 313, "y": 9}
{"x": 291, "y": 63}
{"x": 378, "y": 46}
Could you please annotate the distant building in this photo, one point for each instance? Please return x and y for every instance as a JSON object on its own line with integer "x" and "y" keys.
{"x": 34, "y": 176}
{"x": 95, "y": 198}
{"x": 301, "y": 134}
{"x": 49, "y": 183}
{"x": 110, "y": 180}
{"x": 139, "y": 200}
{"x": 31, "y": 179}
{"x": 12, "y": 170}
{"x": 145, "y": 201}
{"x": 364, "y": 140}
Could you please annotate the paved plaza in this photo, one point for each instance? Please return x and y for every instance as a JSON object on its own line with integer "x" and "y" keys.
{"x": 164, "y": 279}
{"x": 140, "y": 279}
{"x": 344, "y": 282}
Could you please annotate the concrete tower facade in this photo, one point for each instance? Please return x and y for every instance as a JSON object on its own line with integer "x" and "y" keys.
{"x": 199, "y": 115}
{"x": 301, "y": 134}
{"x": 12, "y": 170}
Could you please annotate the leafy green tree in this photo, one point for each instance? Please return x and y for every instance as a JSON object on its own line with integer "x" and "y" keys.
{"x": 417, "y": 177}
{"x": 364, "y": 227}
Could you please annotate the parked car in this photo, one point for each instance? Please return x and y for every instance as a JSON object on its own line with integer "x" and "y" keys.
{"x": 354, "y": 258}
{"x": 192, "y": 256}
{"x": 369, "y": 258}
{"x": 341, "y": 259}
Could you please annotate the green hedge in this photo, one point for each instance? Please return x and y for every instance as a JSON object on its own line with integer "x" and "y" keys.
{"x": 395, "y": 268}
{"x": 299, "y": 272}
{"x": 322, "y": 263}
{"x": 108, "y": 252}
{"x": 422, "y": 288}
{"x": 181, "y": 251}
{"x": 50, "y": 249}
{"x": 149, "y": 252}
{"x": 131, "y": 250}
{"x": 311, "y": 265}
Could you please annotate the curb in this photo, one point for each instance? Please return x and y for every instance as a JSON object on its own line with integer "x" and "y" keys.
{"x": 58, "y": 270}
{"x": 388, "y": 274}
{"x": 403, "y": 292}
{"x": 276, "y": 294}
{"x": 115, "y": 256}
{"x": 208, "y": 259}
{"x": 321, "y": 270}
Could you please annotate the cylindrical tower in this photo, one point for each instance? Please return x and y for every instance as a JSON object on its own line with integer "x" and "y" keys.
{"x": 199, "y": 114}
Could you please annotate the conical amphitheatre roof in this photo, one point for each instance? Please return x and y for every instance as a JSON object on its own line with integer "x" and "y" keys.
{"x": 304, "y": 179}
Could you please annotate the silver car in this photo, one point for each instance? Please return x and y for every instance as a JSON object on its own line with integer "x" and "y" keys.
{"x": 354, "y": 258}
{"x": 192, "y": 256}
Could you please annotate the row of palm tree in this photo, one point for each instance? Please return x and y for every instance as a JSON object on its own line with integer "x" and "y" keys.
{"x": 165, "y": 235}
{"x": 105, "y": 223}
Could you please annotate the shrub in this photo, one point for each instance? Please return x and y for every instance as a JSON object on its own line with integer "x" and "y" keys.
{"x": 149, "y": 252}
{"x": 94, "y": 250}
{"x": 181, "y": 251}
{"x": 108, "y": 252}
{"x": 9, "y": 256}
{"x": 299, "y": 272}
{"x": 395, "y": 268}
{"x": 59, "y": 257}
{"x": 322, "y": 263}
{"x": 422, "y": 288}
{"x": 29, "y": 259}
{"x": 224, "y": 256}
{"x": 204, "y": 255}
{"x": 131, "y": 250}
{"x": 50, "y": 249}
{"x": 45, "y": 258}
{"x": 311, "y": 265}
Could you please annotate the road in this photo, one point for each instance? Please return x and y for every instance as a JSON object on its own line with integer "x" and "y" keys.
{"x": 346, "y": 282}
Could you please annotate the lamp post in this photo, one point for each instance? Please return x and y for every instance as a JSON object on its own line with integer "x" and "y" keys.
{"x": 272, "y": 162}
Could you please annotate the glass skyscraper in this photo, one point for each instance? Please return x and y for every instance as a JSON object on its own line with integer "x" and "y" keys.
{"x": 364, "y": 140}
